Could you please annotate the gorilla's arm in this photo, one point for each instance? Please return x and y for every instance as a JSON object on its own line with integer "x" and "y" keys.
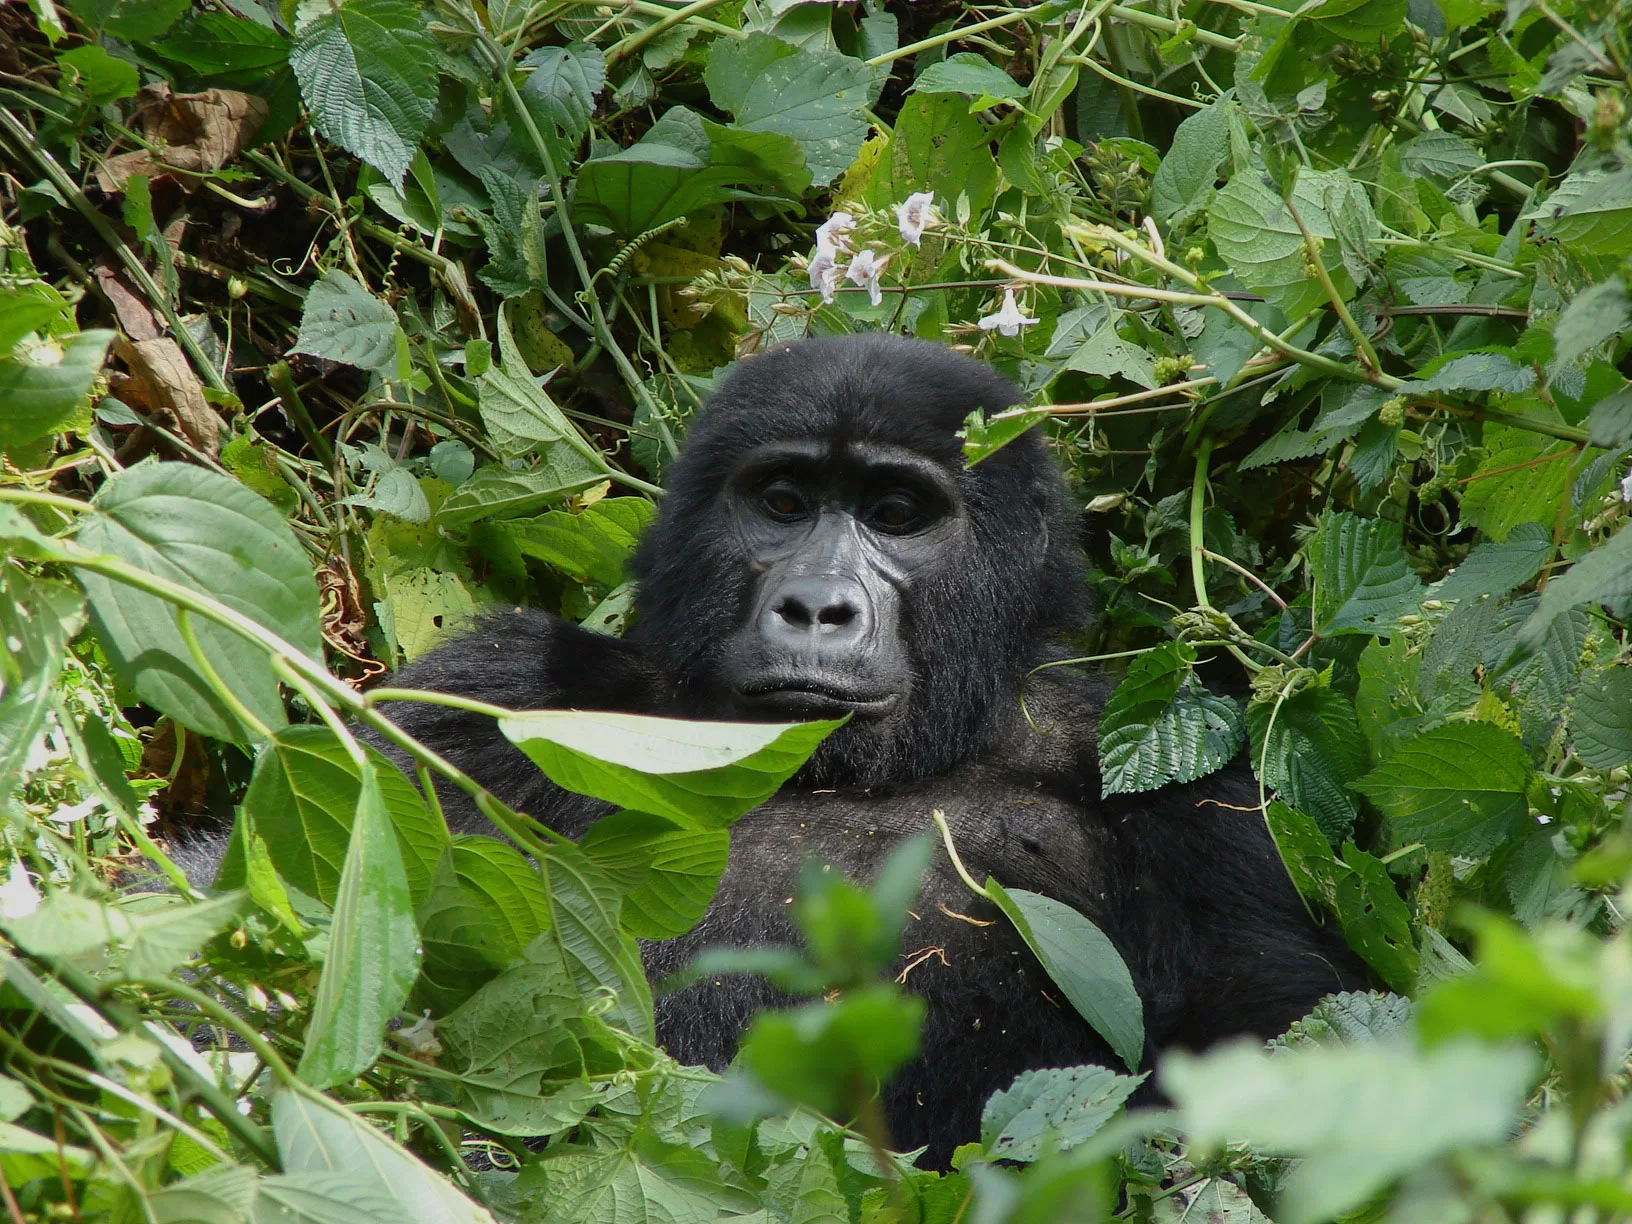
{"x": 523, "y": 660}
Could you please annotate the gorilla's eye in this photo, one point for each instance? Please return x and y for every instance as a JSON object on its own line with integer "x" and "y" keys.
{"x": 782, "y": 502}
{"x": 897, "y": 512}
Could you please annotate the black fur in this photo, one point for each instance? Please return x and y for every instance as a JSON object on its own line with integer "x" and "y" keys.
{"x": 1186, "y": 883}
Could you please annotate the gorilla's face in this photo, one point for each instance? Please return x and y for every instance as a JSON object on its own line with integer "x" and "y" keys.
{"x": 836, "y": 544}
{"x": 824, "y": 550}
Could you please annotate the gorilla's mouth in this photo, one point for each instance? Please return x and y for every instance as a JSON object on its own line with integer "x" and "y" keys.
{"x": 804, "y": 697}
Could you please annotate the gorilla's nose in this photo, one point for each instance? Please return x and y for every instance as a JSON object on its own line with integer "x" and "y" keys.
{"x": 823, "y": 611}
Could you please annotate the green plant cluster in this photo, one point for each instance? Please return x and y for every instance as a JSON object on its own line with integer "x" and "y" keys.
{"x": 325, "y": 325}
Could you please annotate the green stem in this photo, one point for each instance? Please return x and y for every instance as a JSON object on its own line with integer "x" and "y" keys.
{"x": 1166, "y": 25}
{"x": 227, "y": 1019}
{"x": 1318, "y": 266}
{"x": 939, "y": 817}
{"x": 28, "y": 497}
{"x": 948, "y": 36}
{"x": 637, "y": 40}
{"x": 1198, "y": 506}
{"x": 282, "y": 380}
{"x": 184, "y": 623}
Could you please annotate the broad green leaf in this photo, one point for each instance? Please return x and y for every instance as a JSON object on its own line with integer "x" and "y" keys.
{"x": 1603, "y": 576}
{"x": 314, "y": 1197}
{"x": 1375, "y": 919}
{"x": 1610, "y": 424}
{"x": 22, "y": 313}
{"x": 316, "y": 1135}
{"x": 142, "y": 939}
{"x": 367, "y": 70}
{"x": 103, "y": 78}
{"x": 42, "y": 386}
{"x": 1599, "y": 313}
{"x": 593, "y": 545}
{"x": 1183, "y": 185}
{"x": 525, "y": 1046}
{"x": 136, "y": 21}
{"x": 560, "y": 89}
{"x": 817, "y": 1055}
{"x": 497, "y": 491}
{"x": 221, "y": 44}
{"x": 1310, "y": 750}
{"x": 645, "y": 1181}
{"x": 1477, "y": 372}
{"x": 1084, "y": 964}
{"x": 224, "y": 1194}
{"x": 1355, "y": 1017}
{"x": 302, "y": 799}
{"x": 586, "y": 944}
{"x": 815, "y": 97}
{"x": 1601, "y": 729}
{"x": 1459, "y": 787}
{"x": 485, "y": 904}
{"x": 520, "y": 416}
{"x": 205, "y": 531}
{"x": 970, "y": 73}
{"x": 1161, "y": 726}
{"x": 373, "y": 955}
{"x": 1386, "y": 700}
{"x": 1259, "y": 238}
{"x": 1522, "y": 479}
{"x": 1360, "y": 1116}
{"x": 1591, "y": 211}
{"x": 1439, "y": 155}
{"x": 1356, "y": 20}
{"x": 698, "y": 773}
{"x": 668, "y": 872}
{"x": 1305, "y": 851}
{"x": 1494, "y": 568}
{"x": 38, "y": 618}
{"x": 938, "y": 146}
{"x": 1361, "y": 581}
{"x": 683, "y": 164}
{"x": 344, "y": 322}
{"x": 1052, "y": 1110}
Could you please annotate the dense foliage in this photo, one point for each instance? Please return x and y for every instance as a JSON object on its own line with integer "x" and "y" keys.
{"x": 324, "y": 326}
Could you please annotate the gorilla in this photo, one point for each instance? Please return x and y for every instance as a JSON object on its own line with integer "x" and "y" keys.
{"x": 822, "y": 550}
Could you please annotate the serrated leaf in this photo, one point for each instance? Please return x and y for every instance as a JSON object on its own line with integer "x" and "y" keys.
{"x": 1183, "y": 184}
{"x": 1355, "y": 1017}
{"x": 698, "y": 773}
{"x": 1310, "y": 750}
{"x": 1458, "y": 787}
{"x": 497, "y": 491}
{"x": 970, "y": 73}
{"x": 1258, "y": 237}
{"x": 646, "y": 1181}
{"x": 815, "y": 97}
{"x": 38, "y": 618}
{"x": 485, "y": 903}
{"x": 593, "y": 545}
{"x": 1161, "y": 726}
{"x": 1603, "y": 576}
{"x": 205, "y": 531}
{"x": 1521, "y": 480}
{"x": 1601, "y": 731}
{"x": 1494, "y": 568}
{"x": 1084, "y": 964}
{"x": 668, "y": 872}
{"x": 1478, "y": 372}
{"x": 1361, "y": 581}
{"x": 1052, "y": 1110}
{"x": 1598, "y": 313}
{"x": 519, "y": 414}
{"x": 344, "y": 322}
{"x": 373, "y": 952}
{"x": 367, "y": 70}
{"x": 1591, "y": 211}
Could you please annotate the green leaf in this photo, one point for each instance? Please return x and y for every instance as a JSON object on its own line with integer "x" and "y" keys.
{"x": 1591, "y": 211}
{"x": 1311, "y": 752}
{"x": 1183, "y": 185}
{"x": 496, "y": 491}
{"x": 302, "y": 799}
{"x": 562, "y": 85}
{"x": 698, "y": 773}
{"x": 1610, "y": 424}
{"x": 1161, "y": 726}
{"x": 103, "y": 78}
{"x": 1084, "y": 964}
{"x": 1522, "y": 480}
{"x": 134, "y": 21}
{"x": 1459, "y": 787}
{"x": 1361, "y": 581}
{"x": 593, "y": 545}
{"x": 815, "y": 97}
{"x": 525, "y": 1047}
{"x": 1598, "y": 313}
{"x": 1342, "y": 1110}
{"x": 1258, "y": 237}
{"x": 646, "y": 1181}
{"x": 327, "y": 1198}
{"x": 484, "y": 905}
{"x": 1493, "y": 569}
{"x": 1601, "y": 731}
{"x": 938, "y": 146}
{"x": 1355, "y": 1017}
{"x": 43, "y": 386}
{"x": 204, "y": 531}
{"x": 373, "y": 955}
{"x": 344, "y": 322}
{"x": 683, "y": 164}
{"x": 218, "y": 44}
{"x": 1052, "y": 1111}
{"x": 1603, "y": 576}
{"x": 519, "y": 414}
{"x": 38, "y": 618}
{"x": 316, "y": 1135}
{"x": 1375, "y": 919}
{"x": 1477, "y": 372}
{"x": 367, "y": 70}
{"x": 815, "y": 1055}
{"x": 970, "y": 73}
{"x": 668, "y": 872}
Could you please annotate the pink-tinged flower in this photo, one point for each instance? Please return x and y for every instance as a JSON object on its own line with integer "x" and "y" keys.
{"x": 830, "y": 234}
{"x": 915, "y": 215}
{"x": 18, "y": 896}
{"x": 824, "y": 272}
{"x": 864, "y": 271}
{"x": 1009, "y": 320}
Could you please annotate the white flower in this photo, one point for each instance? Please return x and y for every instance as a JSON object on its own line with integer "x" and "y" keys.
{"x": 1008, "y": 320}
{"x": 864, "y": 270}
{"x": 824, "y": 272}
{"x": 830, "y": 234}
{"x": 915, "y": 216}
{"x": 420, "y": 1036}
{"x": 1626, "y": 488}
{"x": 18, "y": 896}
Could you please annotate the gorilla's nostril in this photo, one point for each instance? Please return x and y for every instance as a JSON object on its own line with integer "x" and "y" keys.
{"x": 836, "y": 614}
{"x": 794, "y": 613}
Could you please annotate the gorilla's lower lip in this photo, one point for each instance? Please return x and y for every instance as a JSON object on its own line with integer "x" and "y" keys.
{"x": 813, "y": 699}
